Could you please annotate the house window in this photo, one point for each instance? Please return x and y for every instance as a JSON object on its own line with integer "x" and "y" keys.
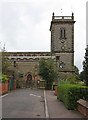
{"x": 62, "y": 33}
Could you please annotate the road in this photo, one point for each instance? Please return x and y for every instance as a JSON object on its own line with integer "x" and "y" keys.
{"x": 24, "y": 103}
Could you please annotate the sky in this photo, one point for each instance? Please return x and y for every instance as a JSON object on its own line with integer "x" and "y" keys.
{"x": 25, "y": 24}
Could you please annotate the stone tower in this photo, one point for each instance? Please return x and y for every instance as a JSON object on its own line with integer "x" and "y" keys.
{"x": 62, "y": 43}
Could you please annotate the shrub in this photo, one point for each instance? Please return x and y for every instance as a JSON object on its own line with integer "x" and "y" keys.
{"x": 3, "y": 78}
{"x": 71, "y": 80}
{"x": 70, "y": 93}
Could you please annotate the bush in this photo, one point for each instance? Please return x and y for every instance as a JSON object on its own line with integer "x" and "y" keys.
{"x": 3, "y": 78}
{"x": 72, "y": 80}
{"x": 70, "y": 93}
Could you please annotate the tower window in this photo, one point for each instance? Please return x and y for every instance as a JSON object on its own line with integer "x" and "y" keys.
{"x": 62, "y": 33}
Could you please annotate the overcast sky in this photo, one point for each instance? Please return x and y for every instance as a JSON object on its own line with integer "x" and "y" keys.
{"x": 24, "y": 24}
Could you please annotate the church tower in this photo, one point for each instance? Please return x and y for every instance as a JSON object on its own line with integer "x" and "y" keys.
{"x": 62, "y": 43}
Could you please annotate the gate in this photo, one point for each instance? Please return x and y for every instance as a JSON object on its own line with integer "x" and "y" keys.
{"x": 41, "y": 84}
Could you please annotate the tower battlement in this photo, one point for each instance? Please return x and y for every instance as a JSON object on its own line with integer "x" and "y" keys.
{"x": 62, "y": 19}
{"x": 54, "y": 18}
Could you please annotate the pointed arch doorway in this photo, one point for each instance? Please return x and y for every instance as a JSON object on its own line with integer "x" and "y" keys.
{"x": 28, "y": 80}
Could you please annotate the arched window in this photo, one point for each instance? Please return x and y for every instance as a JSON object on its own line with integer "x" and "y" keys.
{"x": 62, "y": 33}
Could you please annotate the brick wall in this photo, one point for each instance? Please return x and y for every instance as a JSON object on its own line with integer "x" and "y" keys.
{"x": 82, "y": 107}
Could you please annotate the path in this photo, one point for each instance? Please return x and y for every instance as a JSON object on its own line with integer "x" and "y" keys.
{"x": 57, "y": 109}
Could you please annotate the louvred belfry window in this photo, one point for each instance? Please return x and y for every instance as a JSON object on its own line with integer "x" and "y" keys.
{"x": 62, "y": 33}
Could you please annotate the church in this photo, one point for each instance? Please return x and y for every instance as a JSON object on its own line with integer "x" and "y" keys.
{"x": 62, "y": 51}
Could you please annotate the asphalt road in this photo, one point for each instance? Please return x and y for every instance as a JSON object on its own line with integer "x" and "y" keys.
{"x": 24, "y": 103}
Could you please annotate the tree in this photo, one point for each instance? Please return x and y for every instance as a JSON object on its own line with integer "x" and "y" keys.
{"x": 85, "y": 67}
{"x": 84, "y": 73}
{"x": 76, "y": 72}
{"x": 48, "y": 71}
{"x": 5, "y": 62}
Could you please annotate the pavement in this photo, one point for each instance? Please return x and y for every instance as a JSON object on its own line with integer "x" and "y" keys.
{"x": 56, "y": 108}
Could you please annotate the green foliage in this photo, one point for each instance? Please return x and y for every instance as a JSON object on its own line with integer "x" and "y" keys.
{"x": 5, "y": 62}
{"x": 70, "y": 93}
{"x": 76, "y": 72}
{"x": 47, "y": 69}
{"x": 84, "y": 73}
{"x": 3, "y": 78}
{"x": 71, "y": 80}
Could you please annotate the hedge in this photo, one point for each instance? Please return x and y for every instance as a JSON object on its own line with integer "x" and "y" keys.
{"x": 70, "y": 93}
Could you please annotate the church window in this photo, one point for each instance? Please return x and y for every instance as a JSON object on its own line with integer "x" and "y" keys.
{"x": 62, "y": 33}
